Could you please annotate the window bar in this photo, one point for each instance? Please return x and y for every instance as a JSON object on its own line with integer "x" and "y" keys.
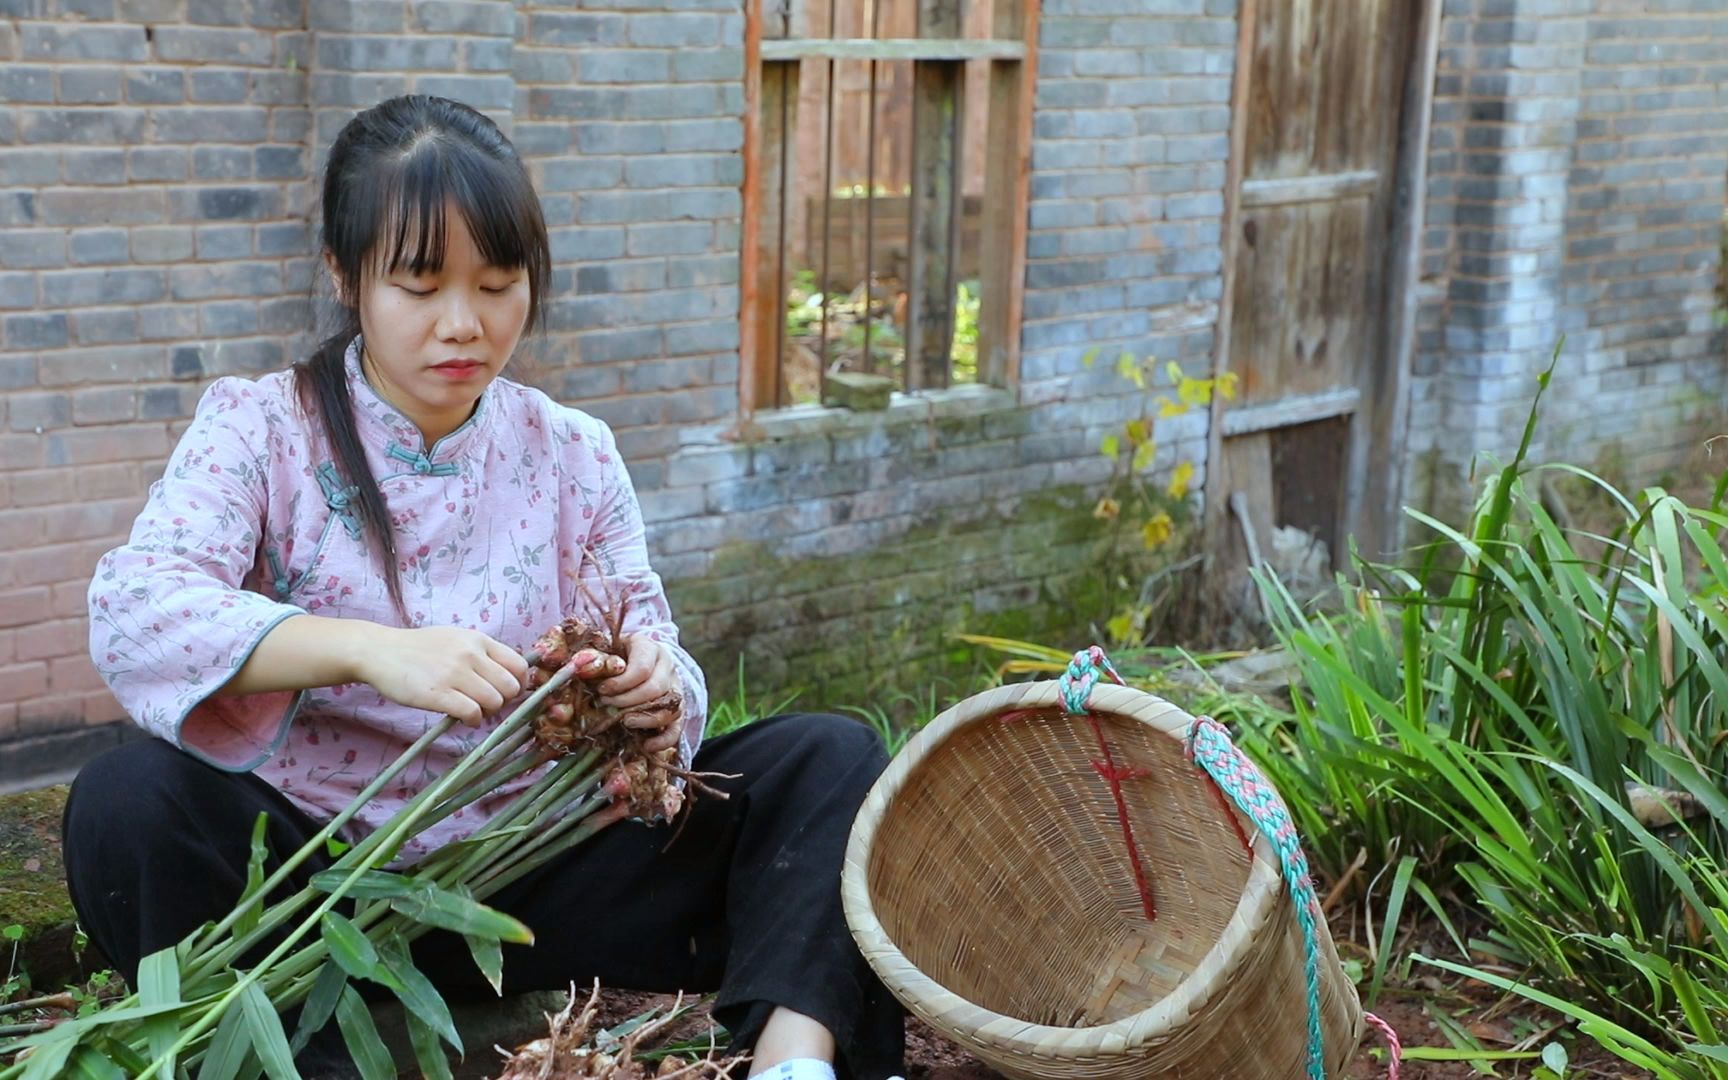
{"x": 869, "y": 358}
{"x": 780, "y": 244}
{"x": 827, "y": 215}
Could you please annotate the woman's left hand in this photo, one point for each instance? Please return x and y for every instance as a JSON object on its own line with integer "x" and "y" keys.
{"x": 648, "y": 675}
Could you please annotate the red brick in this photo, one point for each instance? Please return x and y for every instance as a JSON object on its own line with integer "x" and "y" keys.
{"x": 58, "y": 638}
{"x": 21, "y": 528}
{"x": 74, "y": 673}
{"x": 52, "y": 712}
{"x": 120, "y": 442}
{"x": 21, "y": 451}
{"x": 110, "y": 482}
{"x": 39, "y": 487}
{"x": 36, "y": 566}
{"x": 89, "y": 520}
{"x": 23, "y": 607}
{"x": 19, "y": 682}
{"x": 8, "y": 645}
{"x": 101, "y": 708}
{"x": 69, "y": 598}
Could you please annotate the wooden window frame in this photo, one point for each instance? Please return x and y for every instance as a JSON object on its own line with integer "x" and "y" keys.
{"x": 939, "y": 57}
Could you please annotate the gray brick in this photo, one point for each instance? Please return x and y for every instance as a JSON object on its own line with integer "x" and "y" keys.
{"x": 212, "y": 124}
{"x": 226, "y": 204}
{"x": 217, "y": 13}
{"x": 543, "y": 66}
{"x": 709, "y": 270}
{"x": 561, "y": 28}
{"x": 104, "y": 405}
{"x": 280, "y": 162}
{"x": 151, "y": 11}
{"x": 82, "y": 288}
{"x": 207, "y": 282}
{"x": 668, "y": 239}
{"x": 87, "y": 126}
{"x": 356, "y": 90}
{"x": 168, "y": 322}
{"x": 32, "y": 249}
{"x": 17, "y": 290}
{"x": 285, "y": 238}
{"x": 19, "y": 208}
{"x": 580, "y": 173}
{"x": 157, "y": 163}
{"x": 482, "y": 92}
{"x": 392, "y": 54}
{"x": 221, "y": 163}
{"x": 223, "y": 86}
{"x": 51, "y": 41}
{"x": 611, "y": 277}
{"x": 488, "y": 55}
{"x": 40, "y": 412}
{"x": 94, "y": 167}
{"x": 129, "y": 205}
{"x": 279, "y": 88}
{"x": 86, "y": 10}
{"x": 29, "y": 167}
{"x": 586, "y": 244}
{"x": 21, "y": 83}
{"x": 35, "y": 331}
{"x": 91, "y": 247}
{"x": 464, "y": 17}
{"x": 202, "y": 45}
{"x": 223, "y": 242}
{"x": 708, "y": 65}
{"x": 693, "y": 170}
{"x": 105, "y": 326}
{"x": 624, "y": 66}
{"x": 616, "y": 207}
{"x": 155, "y": 86}
{"x": 673, "y": 29}
{"x": 166, "y": 403}
{"x": 229, "y": 318}
{"x": 358, "y": 16}
{"x": 710, "y": 337}
{"x": 89, "y": 86}
{"x": 287, "y": 315}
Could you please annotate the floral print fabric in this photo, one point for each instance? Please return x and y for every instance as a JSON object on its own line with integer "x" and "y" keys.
{"x": 251, "y": 524}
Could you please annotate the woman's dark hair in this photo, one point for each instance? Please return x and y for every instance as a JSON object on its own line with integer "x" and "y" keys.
{"x": 391, "y": 172}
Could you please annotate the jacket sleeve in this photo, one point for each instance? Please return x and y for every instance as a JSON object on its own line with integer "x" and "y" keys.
{"x": 617, "y": 567}
{"x": 170, "y": 621}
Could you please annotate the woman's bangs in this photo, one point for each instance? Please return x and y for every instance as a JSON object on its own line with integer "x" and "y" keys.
{"x": 414, "y": 234}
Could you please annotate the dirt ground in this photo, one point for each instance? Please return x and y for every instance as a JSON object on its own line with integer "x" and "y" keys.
{"x": 930, "y": 1056}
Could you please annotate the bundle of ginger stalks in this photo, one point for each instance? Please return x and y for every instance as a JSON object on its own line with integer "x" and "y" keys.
{"x": 196, "y": 1013}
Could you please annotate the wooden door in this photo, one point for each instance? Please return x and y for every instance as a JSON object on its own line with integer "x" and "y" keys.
{"x": 1321, "y": 108}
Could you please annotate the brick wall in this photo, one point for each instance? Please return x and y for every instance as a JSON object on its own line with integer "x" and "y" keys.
{"x": 157, "y": 165}
{"x": 1576, "y": 179}
{"x": 153, "y": 165}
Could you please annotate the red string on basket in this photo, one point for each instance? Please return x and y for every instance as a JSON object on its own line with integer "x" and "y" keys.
{"x": 1394, "y": 1048}
{"x": 1114, "y": 777}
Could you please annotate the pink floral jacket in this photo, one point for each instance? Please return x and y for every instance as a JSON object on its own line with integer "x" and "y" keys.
{"x": 251, "y": 524}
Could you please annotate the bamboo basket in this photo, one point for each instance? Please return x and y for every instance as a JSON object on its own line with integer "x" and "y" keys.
{"x": 990, "y": 885}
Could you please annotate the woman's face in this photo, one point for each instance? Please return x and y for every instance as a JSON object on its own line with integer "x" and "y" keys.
{"x": 435, "y": 340}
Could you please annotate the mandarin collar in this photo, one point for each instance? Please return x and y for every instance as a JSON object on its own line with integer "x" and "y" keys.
{"x": 400, "y": 434}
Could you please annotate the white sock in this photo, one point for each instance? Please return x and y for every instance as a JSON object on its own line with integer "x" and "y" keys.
{"x": 797, "y": 1069}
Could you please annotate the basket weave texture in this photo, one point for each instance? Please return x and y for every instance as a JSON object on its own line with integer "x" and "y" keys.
{"x": 988, "y": 882}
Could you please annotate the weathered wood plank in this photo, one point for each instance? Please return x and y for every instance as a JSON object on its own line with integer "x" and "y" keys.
{"x": 774, "y": 155}
{"x": 1007, "y": 177}
{"x": 1286, "y": 412}
{"x": 892, "y": 49}
{"x": 1284, "y": 190}
{"x": 750, "y": 355}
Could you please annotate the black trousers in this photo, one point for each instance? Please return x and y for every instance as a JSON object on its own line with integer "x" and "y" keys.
{"x": 745, "y": 902}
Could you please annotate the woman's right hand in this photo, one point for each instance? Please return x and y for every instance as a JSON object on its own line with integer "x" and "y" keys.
{"x": 442, "y": 669}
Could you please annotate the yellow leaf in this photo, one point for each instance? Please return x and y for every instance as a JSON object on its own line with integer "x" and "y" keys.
{"x": 1109, "y": 446}
{"x": 1227, "y": 385}
{"x": 1128, "y": 369}
{"x": 1139, "y": 430}
{"x": 1195, "y": 391}
{"x": 1121, "y": 626}
{"x": 1174, "y": 370}
{"x": 1088, "y": 356}
{"x": 1107, "y": 509}
{"x": 1156, "y": 531}
{"x": 1180, "y": 478}
{"x": 1168, "y": 408}
{"x": 1143, "y": 455}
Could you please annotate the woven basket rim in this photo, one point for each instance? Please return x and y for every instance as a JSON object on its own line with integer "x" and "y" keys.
{"x": 941, "y": 1007}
